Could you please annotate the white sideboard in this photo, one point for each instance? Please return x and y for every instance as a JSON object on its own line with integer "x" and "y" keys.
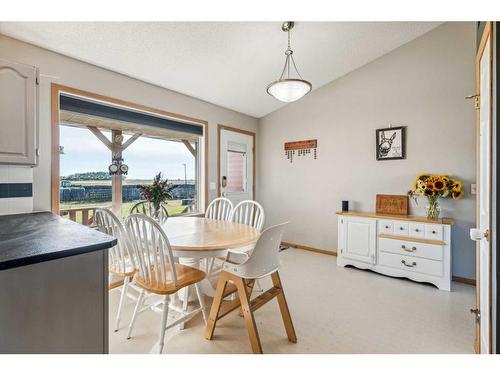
{"x": 402, "y": 246}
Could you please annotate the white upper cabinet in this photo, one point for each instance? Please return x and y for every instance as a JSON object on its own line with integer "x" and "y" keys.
{"x": 18, "y": 113}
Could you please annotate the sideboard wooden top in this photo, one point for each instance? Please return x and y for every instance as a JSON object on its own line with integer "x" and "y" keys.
{"x": 445, "y": 221}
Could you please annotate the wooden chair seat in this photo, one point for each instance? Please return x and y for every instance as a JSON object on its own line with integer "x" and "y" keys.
{"x": 185, "y": 276}
{"x": 127, "y": 273}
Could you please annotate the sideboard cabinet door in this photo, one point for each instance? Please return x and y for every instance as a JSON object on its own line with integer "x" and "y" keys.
{"x": 360, "y": 239}
{"x": 18, "y": 113}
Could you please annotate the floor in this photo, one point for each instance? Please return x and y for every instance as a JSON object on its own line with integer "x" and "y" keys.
{"x": 334, "y": 309}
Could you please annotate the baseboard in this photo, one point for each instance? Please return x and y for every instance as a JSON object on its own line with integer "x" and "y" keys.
{"x": 457, "y": 279}
{"x": 309, "y": 248}
{"x": 463, "y": 280}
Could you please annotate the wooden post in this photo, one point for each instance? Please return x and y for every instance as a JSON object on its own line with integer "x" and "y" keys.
{"x": 117, "y": 178}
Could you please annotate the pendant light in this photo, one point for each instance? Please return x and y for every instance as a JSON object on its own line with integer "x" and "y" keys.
{"x": 287, "y": 89}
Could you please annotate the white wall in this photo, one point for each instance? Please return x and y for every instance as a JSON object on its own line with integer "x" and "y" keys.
{"x": 421, "y": 85}
{"x": 80, "y": 75}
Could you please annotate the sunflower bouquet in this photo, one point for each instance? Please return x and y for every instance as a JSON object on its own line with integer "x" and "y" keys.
{"x": 434, "y": 187}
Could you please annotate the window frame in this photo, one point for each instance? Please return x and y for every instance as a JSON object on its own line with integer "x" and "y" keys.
{"x": 201, "y": 160}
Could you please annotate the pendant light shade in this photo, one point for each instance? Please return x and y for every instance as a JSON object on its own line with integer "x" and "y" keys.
{"x": 287, "y": 89}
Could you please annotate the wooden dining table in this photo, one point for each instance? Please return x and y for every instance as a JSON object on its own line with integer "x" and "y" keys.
{"x": 195, "y": 238}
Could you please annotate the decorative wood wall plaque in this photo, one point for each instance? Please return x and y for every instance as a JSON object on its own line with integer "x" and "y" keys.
{"x": 301, "y": 148}
{"x": 392, "y": 204}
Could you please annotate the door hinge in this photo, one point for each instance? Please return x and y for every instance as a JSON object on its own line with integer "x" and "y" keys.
{"x": 476, "y": 98}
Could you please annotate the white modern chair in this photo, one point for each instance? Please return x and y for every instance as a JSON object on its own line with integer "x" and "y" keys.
{"x": 121, "y": 256}
{"x": 158, "y": 273}
{"x": 146, "y": 208}
{"x": 262, "y": 262}
{"x": 219, "y": 209}
{"x": 251, "y": 213}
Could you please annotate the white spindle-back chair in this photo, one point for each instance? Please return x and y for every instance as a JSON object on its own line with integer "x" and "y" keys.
{"x": 158, "y": 271}
{"x": 250, "y": 213}
{"x": 262, "y": 262}
{"x": 219, "y": 209}
{"x": 121, "y": 256}
{"x": 147, "y": 208}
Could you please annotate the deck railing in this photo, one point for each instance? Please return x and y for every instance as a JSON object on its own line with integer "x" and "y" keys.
{"x": 83, "y": 216}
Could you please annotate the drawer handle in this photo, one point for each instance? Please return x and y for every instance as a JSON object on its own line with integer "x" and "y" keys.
{"x": 417, "y": 230}
{"x": 413, "y": 248}
{"x": 401, "y": 228}
{"x": 412, "y": 264}
{"x": 386, "y": 227}
{"x": 433, "y": 232}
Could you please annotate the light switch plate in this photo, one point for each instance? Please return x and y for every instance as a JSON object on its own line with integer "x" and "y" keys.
{"x": 212, "y": 186}
{"x": 473, "y": 189}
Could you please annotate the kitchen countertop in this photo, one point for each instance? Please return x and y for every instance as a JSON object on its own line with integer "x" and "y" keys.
{"x": 41, "y": 236}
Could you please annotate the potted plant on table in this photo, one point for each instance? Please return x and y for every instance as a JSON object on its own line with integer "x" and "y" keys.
{"x": 156, "y": 193}
{"x": 434, "y": 187}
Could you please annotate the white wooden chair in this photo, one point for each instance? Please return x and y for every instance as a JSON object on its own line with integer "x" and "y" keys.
{"x": 159, "y": 273}
{"x": 121, "y": 257}
{"x": 147, "y": 208}
{"x": 219, "y": 209}
{"x": 262, "y": 262}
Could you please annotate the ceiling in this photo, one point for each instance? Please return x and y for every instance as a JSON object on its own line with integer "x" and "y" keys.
{"x": 224, "y": 63}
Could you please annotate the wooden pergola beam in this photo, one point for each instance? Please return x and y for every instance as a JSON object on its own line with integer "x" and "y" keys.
{"x": 189, "y": 147}
{"x": 131, "y": 140}
{"x": 101, "y": 137}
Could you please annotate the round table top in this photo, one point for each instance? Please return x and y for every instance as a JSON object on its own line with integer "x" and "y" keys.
{"x": 201, "y": 234}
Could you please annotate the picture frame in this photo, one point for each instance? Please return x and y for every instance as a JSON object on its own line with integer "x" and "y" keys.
{"x": 390, "y": 143}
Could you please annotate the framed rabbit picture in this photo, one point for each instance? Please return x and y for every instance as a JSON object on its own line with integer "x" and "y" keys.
{"x": 391, "y": 143}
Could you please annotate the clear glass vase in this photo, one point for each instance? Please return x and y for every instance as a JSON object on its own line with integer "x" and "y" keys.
{"x": 433, "y": 210}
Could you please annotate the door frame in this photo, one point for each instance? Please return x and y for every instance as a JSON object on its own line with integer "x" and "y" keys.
{"x": 221, "y": 127}
{"x": 57, "y": 90}
{"x": 487, "y": 34}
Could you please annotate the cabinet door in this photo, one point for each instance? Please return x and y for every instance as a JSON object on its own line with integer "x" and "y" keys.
{"x": 18, "y": 113}
{"x": 360, "y": 239}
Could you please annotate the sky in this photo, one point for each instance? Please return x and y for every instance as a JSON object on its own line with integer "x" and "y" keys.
{"x": 83, "y": 152}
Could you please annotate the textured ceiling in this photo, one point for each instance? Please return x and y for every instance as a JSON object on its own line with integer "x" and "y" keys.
{"x": 225, "y": 63}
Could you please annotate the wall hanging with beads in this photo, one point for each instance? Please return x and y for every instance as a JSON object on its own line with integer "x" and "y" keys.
{"x": 301, "y": 149}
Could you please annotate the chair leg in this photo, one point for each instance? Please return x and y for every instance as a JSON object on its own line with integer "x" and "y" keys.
{"x": 250, "y": 286}
{"x": 216, "y": 304}
{"x": 185, "y": 303}
{"x": 164, "y": 318}
{"x": 253, "y": 334}
{"x": 285, "y": 312}
{"x": 134, "y": 316}
{"x": 201, "y": 300}
{"x": 120, "y": 305}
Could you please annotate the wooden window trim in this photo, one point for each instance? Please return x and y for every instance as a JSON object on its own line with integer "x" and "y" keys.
{"x": 57, "y": 89}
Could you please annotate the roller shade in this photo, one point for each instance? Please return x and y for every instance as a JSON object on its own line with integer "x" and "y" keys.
{"x": 77, "y": 105}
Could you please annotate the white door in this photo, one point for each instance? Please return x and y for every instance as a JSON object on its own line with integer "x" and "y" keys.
{"x": 236, "y": 165}
{"x": 482, "y": 230}
{"x": 359, "y": 239}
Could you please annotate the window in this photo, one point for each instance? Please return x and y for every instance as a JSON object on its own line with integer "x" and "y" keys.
{"x": 90, "y": 143}
{"x": 236, "y": 171}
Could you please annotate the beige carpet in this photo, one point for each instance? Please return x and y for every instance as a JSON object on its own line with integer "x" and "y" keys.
{"x": 335, "y": 310}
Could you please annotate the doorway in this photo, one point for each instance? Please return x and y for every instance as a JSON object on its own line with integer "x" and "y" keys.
{"x": 482, "y": 233}
{"x": 236, "y": 164}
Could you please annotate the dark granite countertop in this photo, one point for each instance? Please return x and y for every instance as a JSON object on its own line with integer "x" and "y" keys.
{"x": 41, "y": 236}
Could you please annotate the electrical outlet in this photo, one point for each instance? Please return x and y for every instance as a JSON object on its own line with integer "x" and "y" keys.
{"x": 212, "y": 186}
{"x": 473, "y": 189}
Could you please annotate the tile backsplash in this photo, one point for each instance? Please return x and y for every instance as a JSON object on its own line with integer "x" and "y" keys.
{"x": 16, "y": 189}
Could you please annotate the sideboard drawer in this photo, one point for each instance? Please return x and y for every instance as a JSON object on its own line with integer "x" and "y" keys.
{"x": 433, "y": 232}
{"x": 412, "y": 264}
{"x": 401, "y": 228}
{"x": 385, "y": 226}
{"x": 409, "y": 248}
{"x": 416, "y": 230}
